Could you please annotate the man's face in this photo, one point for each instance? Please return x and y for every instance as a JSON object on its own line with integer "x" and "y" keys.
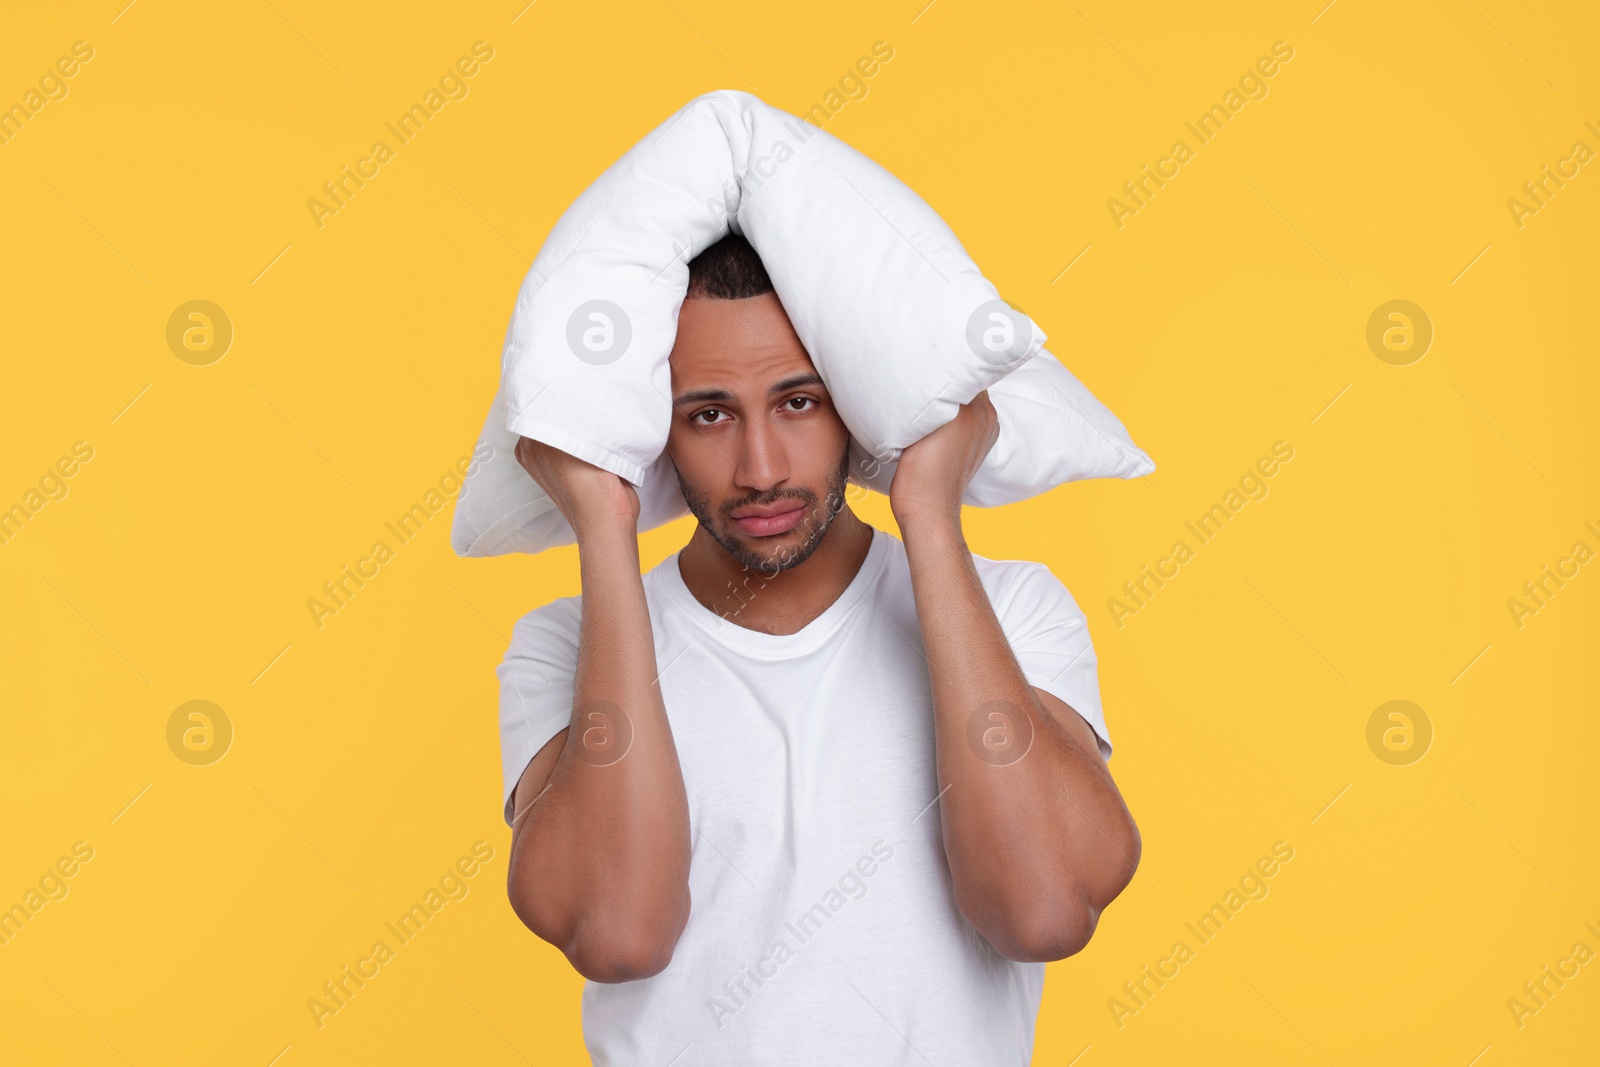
{"x": 761, "y": 454}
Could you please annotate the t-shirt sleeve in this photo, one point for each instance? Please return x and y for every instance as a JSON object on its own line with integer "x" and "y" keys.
{"x": 536, "y": 684}
{"x": 1049, "y": 635}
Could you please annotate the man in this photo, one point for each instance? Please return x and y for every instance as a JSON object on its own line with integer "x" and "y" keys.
{"x": 805, "y": 792}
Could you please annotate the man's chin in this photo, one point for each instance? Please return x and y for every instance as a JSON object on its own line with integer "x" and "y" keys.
{"x": 767, "y": 552}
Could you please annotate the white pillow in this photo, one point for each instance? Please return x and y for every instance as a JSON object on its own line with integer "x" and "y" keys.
{"x": 897, "y": 319}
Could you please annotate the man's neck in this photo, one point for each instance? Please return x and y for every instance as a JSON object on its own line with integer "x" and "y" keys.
{"x": 781, "y": 603}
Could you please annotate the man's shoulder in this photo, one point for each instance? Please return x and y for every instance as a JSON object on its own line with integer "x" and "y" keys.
{"x": 551, "y": 624}
{"x": 558, "y": 621}
{"x": 1003, "y": 579}
{"x": 1005, "y": 567}
{"x": 1004, "y": 574}
{"x": 1023, "y": 586}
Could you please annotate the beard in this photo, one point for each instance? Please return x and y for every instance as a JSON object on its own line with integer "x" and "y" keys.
{"x": 780, "y": 558}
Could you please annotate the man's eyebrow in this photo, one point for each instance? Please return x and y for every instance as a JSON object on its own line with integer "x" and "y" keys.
{"x": 695, "y": 396}
{"x": 794, "y": 381}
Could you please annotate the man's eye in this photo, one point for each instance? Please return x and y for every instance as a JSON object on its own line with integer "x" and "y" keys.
{"x": 703, "y": 415}
{"x": 800, "y": 400}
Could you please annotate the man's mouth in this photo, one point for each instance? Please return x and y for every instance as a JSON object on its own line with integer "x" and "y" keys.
{"x": 774, "y": 519}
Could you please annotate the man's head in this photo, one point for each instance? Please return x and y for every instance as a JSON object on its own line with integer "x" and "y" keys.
{"x": 754, "y": 432}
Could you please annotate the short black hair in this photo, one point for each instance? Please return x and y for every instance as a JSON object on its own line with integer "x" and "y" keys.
{"x": 731, "y": 269}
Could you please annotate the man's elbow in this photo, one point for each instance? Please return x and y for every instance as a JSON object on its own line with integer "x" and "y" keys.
{"x": 600, "y": 948}
{"x": 1042, "y": 935}
{"x": 621, "y": 959}
{"x": 1057, "y": 924}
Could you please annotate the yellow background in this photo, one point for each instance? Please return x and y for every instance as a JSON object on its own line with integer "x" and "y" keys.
{"x": 1228, "y": 314}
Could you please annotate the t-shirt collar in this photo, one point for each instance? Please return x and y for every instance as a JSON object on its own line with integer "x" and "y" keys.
{"x": 754, "y": 642}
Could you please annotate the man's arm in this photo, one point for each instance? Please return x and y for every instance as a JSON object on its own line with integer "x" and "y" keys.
{"x": 1036, "y": 834}
{"x": 600, "y": 836}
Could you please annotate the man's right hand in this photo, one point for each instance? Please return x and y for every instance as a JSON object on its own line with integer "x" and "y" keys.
{"x": 585, "y": 494}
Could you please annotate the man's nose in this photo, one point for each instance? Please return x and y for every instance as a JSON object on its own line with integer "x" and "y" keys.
{"x": 763, "y": 462}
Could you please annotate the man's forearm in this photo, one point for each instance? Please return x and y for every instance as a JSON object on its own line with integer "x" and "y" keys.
{"x": 602, "y": 864}
{"x": 1036, "y": 834}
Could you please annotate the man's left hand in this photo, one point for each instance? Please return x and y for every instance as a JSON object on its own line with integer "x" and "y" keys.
{"x": 933, "y": 473}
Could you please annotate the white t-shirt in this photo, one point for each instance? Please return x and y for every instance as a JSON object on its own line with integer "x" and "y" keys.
{"x": 823, "y": 926}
